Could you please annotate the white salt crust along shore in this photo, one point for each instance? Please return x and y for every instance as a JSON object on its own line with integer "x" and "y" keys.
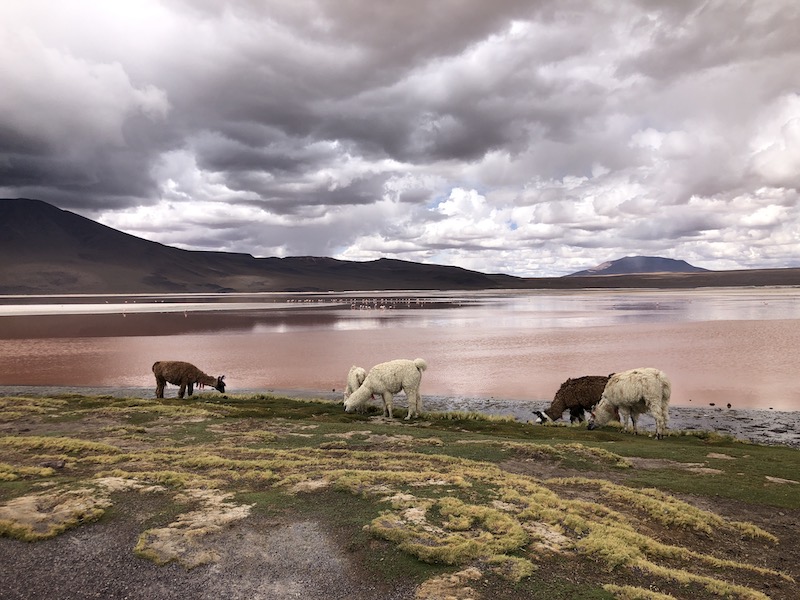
{"x": 759, "y": 426}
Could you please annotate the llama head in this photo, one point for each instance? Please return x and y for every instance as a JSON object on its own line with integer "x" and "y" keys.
{"x": 219, "y": 384}
{"x": 541, "y": 417}
{"x": 357, "y": 398}
{"x": 602, "y": 413}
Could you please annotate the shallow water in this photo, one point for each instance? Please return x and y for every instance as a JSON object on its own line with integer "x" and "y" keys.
{"x": 737, "y": 346}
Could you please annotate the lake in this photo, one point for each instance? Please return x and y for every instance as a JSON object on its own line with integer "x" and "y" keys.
{"x": 732, "y": 345}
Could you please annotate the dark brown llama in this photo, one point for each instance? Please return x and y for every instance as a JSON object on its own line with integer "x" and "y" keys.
{"x": 185, "y": 375}
{"x": 577, "y": 395}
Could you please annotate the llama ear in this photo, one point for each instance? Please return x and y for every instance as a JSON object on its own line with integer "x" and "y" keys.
{"x": 221, "y": 377}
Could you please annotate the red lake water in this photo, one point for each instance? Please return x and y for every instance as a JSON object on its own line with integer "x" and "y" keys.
{"x": 738, "y": 346}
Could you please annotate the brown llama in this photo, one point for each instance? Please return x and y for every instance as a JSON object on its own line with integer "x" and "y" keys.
{"x": 185, "y": 375}
{"x": 577, "y": 395}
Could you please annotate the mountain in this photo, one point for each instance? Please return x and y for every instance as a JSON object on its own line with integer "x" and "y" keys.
{"x": 46, "y": 250}
{"x": 636, "y": 265}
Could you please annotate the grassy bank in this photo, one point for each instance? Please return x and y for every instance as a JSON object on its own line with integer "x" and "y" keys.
{"x": 449, "y": 502}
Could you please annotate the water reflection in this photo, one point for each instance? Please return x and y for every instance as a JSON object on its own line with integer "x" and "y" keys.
{"x": 737, "y": 345}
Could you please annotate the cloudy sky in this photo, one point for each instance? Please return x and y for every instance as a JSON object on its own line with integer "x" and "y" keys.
{"x": 534, "y": 137}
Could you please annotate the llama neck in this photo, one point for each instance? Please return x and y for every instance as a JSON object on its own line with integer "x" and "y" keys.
{"x": 206, "y": 379}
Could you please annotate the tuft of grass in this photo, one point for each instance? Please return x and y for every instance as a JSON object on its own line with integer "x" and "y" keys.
{"x": 56, "y": 444}
{"x": 629, "y": 592}
{"x": 468, "y": 416}
{"x": 12, "y": 473}
{"x": 664, "y": 508}
{"x": 172, "y": 479}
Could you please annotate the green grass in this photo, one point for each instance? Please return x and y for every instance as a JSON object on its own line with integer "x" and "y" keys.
{"x": 367, "y": 480}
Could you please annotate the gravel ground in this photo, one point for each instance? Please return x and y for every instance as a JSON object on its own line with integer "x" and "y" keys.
{"x": 260, "y": 560}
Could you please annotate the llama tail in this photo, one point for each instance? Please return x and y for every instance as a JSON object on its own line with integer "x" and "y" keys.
{"x": 420, "y": 364}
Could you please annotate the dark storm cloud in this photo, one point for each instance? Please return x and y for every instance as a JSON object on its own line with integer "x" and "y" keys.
{"x": 489, "y": 135}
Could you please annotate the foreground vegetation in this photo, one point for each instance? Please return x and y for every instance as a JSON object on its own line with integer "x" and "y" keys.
{"x": 458, "y": 504}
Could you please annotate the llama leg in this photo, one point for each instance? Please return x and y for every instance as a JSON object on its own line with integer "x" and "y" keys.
{"x": 659, "y": 428}
{"x": 661, "y": 422}
{"x": 182, "y": 391}
{"x": 624, "y": 415}
{"x": 634, "y": 417}
{"x": 191, "y": 387}
{"x": 387, "y": 404}
{"x": 413, "y": 404}
{"x": 160, "y": 388}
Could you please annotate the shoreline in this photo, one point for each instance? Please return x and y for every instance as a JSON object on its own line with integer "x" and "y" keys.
{"x": 761, "y": 426}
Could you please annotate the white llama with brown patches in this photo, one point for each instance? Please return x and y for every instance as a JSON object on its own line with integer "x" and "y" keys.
{"x": 634, "y": 393}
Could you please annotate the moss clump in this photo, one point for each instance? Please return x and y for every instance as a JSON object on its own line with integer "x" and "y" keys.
{"x": 466, "y": 532}
{"x": 186, "y": 539}
{"x": 45, "y": 515}
{"x": 512, "y": 568}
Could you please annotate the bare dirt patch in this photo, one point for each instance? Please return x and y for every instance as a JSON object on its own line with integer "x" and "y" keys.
{"x": 263, "y": 558}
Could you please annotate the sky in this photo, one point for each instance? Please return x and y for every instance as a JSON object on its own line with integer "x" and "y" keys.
{"x": 533, "y": 137}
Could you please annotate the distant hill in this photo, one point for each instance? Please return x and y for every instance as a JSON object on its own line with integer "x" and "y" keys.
{"x": 636, "y": 265}
{"x": 46, "y": 250}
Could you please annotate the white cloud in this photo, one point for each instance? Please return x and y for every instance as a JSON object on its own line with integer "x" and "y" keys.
{"x": 776, "y": 146}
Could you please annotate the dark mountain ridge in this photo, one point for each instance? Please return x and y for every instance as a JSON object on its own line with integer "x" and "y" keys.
{"x": 47, "y": 250}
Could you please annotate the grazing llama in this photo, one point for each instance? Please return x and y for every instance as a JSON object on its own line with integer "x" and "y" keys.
{"x": 577, "y": 395}
{"x": 185, "y": 375}
{"x": 634, "y": 393}
{"x": 387, "y": 379}
{"x": 355, "y": 378}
